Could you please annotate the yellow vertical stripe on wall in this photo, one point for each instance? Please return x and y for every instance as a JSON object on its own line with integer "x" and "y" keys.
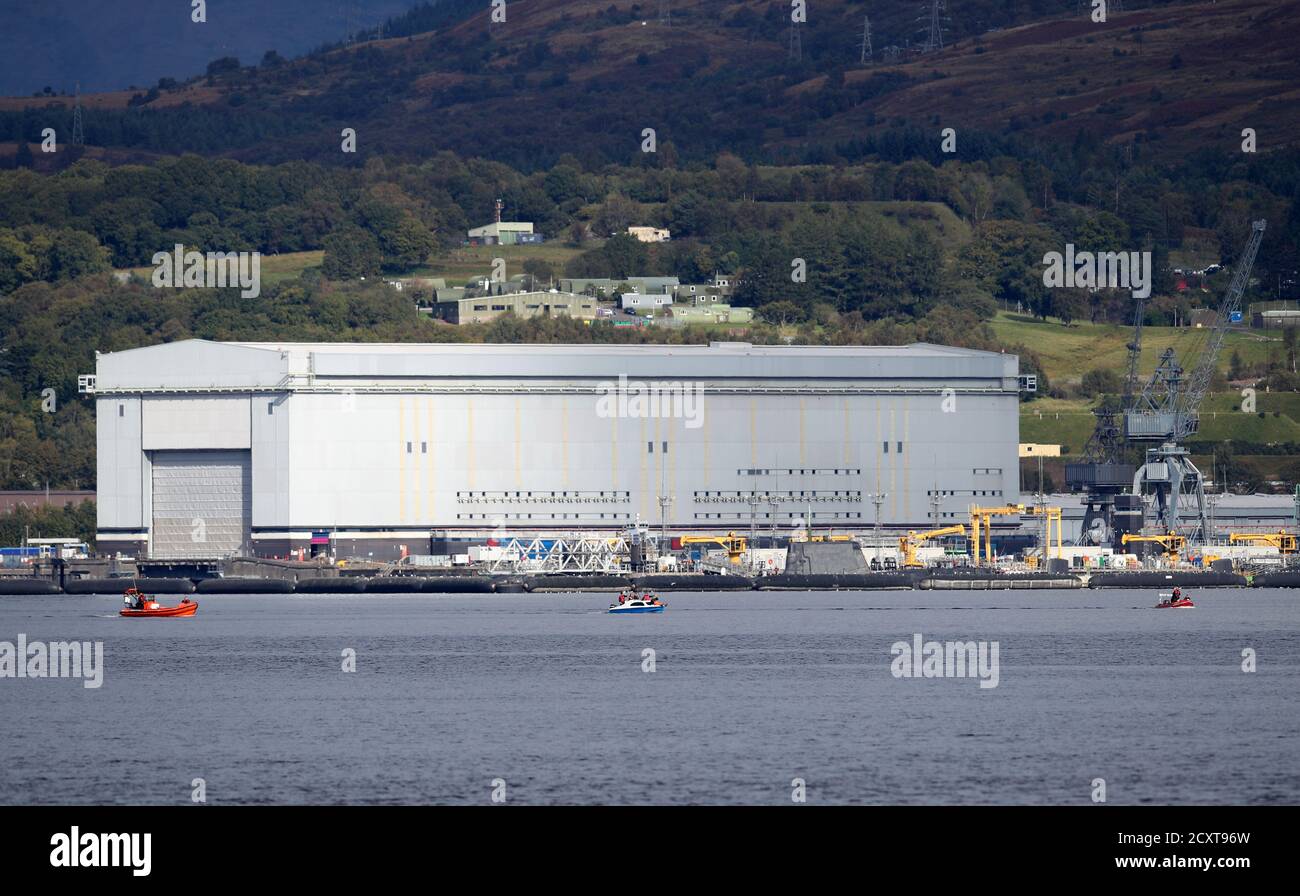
{"x": 644, "y": 497}
{"x": 660, "y": 467}
{"x": 417, "y": 490}
{"x": 848, "y": 456}
{"x": 803, "y": 448}
{"x": 893, "y": 461}
{"x": 613, "y": 449}
{"x": 401, "y": 459}
{"x": 469, "y": 442}
{"x": 753, "y": 434}
{"x": 880, "y": 436}
{"x": 429, "y": 483}
{"x": 670, "y": 481}
{"x": 704, "y": 434}
{"x": 907, "y": 451}
{"x": 564, "y": 437}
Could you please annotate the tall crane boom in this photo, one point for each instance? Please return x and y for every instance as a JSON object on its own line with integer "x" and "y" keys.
{"x": 1168, "y": 410}
{"x": 1168, "y": 407}
{"x": 1162, "y": 412}
{"x": 1199, "y": 382}
{"x": 1134, "y": 354}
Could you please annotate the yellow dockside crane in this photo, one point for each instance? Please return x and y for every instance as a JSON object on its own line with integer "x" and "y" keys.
{"x": 1285, "y": 542}
{"x": 907, "y": 544}
{"x": 1173, "y": 543}
{"x": 1053, "y": 515}
{"x": 735, "y": 545}
{"x": 982, "y": 517}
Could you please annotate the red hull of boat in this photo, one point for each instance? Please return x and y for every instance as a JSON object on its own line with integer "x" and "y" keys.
{"x": 186, "y": 607}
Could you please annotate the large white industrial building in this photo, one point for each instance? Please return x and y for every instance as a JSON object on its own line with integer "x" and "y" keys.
{"x": 211, "y": 449}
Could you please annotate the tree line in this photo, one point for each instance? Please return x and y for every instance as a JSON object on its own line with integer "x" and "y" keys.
{"x": 730, "y": 215}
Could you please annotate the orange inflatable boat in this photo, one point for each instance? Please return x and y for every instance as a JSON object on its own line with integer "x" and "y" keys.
{"x": 148, "y": 606}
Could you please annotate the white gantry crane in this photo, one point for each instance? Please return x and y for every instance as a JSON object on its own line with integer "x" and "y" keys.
{"x": 1168, "y": 411}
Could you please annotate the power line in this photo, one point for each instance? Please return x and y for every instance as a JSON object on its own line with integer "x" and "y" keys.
{"x": 934, "y": 20}
{"x": 867, "y": 54}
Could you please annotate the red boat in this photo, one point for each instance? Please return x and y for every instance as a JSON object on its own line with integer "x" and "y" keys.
{"x": 186, "y": 607}
{"x": 144, "y": 605}
{"x": 1175, "y": 601}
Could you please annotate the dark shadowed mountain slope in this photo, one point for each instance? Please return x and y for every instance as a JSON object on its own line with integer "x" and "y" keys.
{"x": 587, "y": 77}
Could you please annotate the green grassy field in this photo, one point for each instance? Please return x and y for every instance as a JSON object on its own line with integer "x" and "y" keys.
{"x": 275, "y": 268}
{"x": 1054, "y": 421}
{"x": 1070, "y": 352}
{"x": 456, "y": 265}
{"x": 1070, "y": 423}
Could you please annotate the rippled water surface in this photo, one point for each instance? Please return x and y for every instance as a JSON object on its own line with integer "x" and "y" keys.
{"x": 749, "y": 691}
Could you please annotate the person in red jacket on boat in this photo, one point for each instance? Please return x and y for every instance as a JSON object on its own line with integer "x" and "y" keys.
{"x": 134, "y": 600}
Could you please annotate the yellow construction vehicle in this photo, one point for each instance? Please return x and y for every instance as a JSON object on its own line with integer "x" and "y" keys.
{"x": 1285, "y": 542}
{"x": 1173, "y": 543}
{"x": 907, "y": 544}
{"x": 982, "y": 517}
{"x": 735, "y": 545}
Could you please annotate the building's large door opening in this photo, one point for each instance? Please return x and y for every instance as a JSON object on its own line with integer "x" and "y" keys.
{"x": 202, "y": 504}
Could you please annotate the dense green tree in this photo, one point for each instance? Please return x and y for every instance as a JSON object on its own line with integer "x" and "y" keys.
{"x": 540, "y": 269}
{"x": 406, "y": 245}
{"x": 350, "y": 254}
{"x": 1101, "y": 381}
{"x": 17, "y": 264}
{"x": 765, "y": 276}
{"x": 50, "y": 521}
{"x": 615, "y": 215}
{"x": 782, "y": 313}
{"x": 1007, "y": 257}
{"x": 916, "y": 180}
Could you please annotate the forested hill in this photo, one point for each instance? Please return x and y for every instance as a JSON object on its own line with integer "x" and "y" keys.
{"x": 585, "y": 77}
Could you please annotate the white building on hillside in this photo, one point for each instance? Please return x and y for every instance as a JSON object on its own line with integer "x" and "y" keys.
{"x": 650, "y": 234}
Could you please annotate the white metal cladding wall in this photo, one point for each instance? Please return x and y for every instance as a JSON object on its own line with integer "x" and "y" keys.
{"x": 270, "y": 441}
{"x": 196, "y": 422}
{"x": 202, "y": 503}
{"x": 119, "y": 499}
{"x": 545, "y": 459}
{"x": 486, "y": 433}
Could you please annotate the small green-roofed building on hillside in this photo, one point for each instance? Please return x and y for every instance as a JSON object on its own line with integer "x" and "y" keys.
{"x": 481, "y": 309}
{"x": 717, "y": 313}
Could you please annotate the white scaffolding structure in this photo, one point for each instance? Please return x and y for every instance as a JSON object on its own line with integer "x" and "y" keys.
{"x": 574, "y": 553}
